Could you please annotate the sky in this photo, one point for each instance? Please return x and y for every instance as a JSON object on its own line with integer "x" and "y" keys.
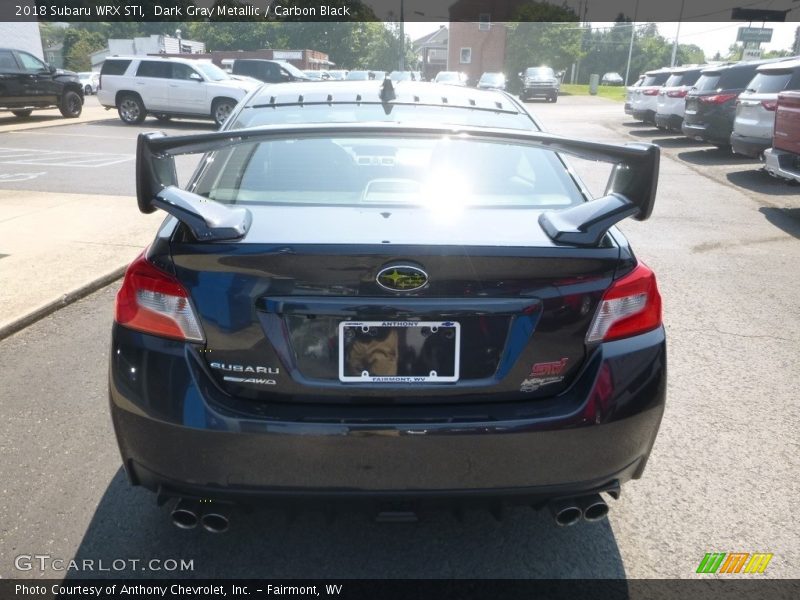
{"x": 711, "y": 37}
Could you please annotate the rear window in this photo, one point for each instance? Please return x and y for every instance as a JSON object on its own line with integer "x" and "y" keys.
{"x": 685, "y": 78}
{"x": 114, "y": 67}
{"x": 733, "y": 79}
{"x": 657, "y": 79}
{"x": 707, "y": 82}
{"x": 436, "y": 172}
{"x": 769, "y": 83}
{"x": 154, "y": 68}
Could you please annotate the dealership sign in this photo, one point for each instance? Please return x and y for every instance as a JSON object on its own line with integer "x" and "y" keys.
{"x": 758, "y": 35}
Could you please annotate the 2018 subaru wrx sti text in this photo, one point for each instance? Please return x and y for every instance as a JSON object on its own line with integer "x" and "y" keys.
{"x": 388, "y": 295}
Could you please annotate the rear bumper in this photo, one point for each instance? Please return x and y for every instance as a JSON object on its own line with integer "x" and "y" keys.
{"x": 780, "y": 163}
{"x": 669, "y": 121}
{"x": 749, "y": 146}
{"x": 628, "y": 108}
{"x": 646, "y": 115}
{"x": 191, "y": 442}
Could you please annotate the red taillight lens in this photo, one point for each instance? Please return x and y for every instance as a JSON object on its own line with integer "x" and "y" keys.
{"x": 632, "y": 305}
{"x": 716, "y": 98}
{"x": 153, "y": 301}
{"x": 677, "y": 93}
{"x": 770, "y": 104}
{"x": 650, "y": 92}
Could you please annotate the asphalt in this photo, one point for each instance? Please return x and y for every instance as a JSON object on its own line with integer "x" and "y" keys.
{"x": 722, "y": 477}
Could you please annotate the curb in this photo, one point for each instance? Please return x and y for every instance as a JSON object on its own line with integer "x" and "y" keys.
{"x": 60, "y": 302}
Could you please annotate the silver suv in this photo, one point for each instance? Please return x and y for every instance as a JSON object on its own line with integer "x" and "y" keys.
{"x": 168, "y": 87}
{"x": 755, "y": 108}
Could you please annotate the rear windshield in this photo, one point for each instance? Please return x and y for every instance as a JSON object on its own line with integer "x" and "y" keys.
{"x": 769, "y": 83}
{"x": 353, "y": 113}
{"x": 707, "y": 82}
{"x": 685, "y": 78}
{"x": 657, "y": 79}
{"x": 737, "y": 78}
{"x": 492, "y": 78}
{"x": 114, "y": 67}
{"x": 435, "y": 172}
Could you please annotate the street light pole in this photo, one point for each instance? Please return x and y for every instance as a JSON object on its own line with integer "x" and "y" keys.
{"x": 630, "y": 48}
{"x": 402, "y": 37}
{"x": 677, "y": 33}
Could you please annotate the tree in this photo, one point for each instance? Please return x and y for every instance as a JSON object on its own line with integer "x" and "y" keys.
{"x": 78, "y": 45}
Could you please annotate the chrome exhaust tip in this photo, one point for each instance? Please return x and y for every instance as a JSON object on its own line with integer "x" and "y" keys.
{"x": 215, "y": 522}
{"x": 593, "y": 507}
{"x": 565, "y": 512}
{"x": 184, "y": 515}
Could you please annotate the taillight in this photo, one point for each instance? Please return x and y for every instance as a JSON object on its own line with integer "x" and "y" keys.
{"x": 153, "y": 301}
{"x": 632, "y": 305}
{"x": 677, "y": 93}
{"x": 716, "y": 98}
{"x": 770, "y": 104}
{"x": 650, "y": 92}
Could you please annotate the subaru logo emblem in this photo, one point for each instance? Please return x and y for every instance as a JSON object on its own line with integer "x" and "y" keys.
{"x": 402, "y": 278}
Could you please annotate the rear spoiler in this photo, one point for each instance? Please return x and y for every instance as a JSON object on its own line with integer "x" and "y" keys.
{"x": 630, "y": 192}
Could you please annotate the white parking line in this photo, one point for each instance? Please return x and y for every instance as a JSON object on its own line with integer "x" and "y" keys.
{"x": 55, "y": 158}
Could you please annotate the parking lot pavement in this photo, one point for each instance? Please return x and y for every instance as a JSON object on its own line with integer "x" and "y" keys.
{"x": 722, "y": 476}
{"x": 74, "y": 186}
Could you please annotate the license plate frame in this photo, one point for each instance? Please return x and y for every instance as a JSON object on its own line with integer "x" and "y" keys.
{"x": 417, "y": 327}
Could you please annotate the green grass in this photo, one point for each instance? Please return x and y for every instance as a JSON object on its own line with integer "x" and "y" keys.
{"x": 612, "y": 92}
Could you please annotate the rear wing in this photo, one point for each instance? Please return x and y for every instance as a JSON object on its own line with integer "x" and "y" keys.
{"x": 630, "y": 191}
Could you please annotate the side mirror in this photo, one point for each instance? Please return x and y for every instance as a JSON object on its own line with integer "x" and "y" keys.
{"x": 51, "y": 69}
{"x": 195, "y": 77}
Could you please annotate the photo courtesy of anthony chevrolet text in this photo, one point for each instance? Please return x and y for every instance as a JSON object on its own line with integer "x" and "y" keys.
{"x": 434, "y": 299}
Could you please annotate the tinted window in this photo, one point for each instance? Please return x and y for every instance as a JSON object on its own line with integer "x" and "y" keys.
{"x": 674, "y": 80}
{"x": 690, "y": 77}
{"x": 154, "y": 68}
{"x": 7, "y": 61}
{"x": 707, "y": 82}
{"x": 769, "y": 83}
{"x": 182, "y": 71}
{"x": 246, "y": 67}
{"x": 435, "y": 172}
{"x": 737, "y": 78}
{"x": 657, "y": 79}
{"x": 114, "y": 67}
{"x": 31, "y": 63}
{"x": 492, "y": 78}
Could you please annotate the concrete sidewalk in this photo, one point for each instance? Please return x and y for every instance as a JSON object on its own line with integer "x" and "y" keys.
{"x": 57, "y": 247}
{"x": 92, "y": 111}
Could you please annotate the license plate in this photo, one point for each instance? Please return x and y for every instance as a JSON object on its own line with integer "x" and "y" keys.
{"x": 399, "y": 351}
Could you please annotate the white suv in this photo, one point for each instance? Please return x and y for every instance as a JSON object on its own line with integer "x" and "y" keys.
{"x": 169, "y": 87}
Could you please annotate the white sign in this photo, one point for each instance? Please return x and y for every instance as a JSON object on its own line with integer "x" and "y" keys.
{"x": 283, "y": 55}
{"x": 751, "y": 53}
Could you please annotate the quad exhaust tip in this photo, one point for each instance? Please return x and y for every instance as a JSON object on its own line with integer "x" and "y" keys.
{"x": 215, "y": 522}
{"x": 188, "y": 515}
{"x": 184, "y": 515}
{"x": 568, "y": 511}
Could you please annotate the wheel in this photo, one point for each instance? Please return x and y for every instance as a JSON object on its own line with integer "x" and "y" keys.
{"x": 555, "y": 98}
{"x": 87, "y": 89}
{"x": 131, "y": 110}
{"x": 22, "y": 113}
{"x": 71, "y": 105}
{"x": 163, "y": 118}
{"x": 221, "y": 110}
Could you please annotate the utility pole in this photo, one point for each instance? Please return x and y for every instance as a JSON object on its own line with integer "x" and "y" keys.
{"x": 402, "y": 37}
{"x": 677, "y": 33}
{"x": 630, "y": 48}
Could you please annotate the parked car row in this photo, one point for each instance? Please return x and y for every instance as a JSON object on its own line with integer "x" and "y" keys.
{"x": 733, "y": 105}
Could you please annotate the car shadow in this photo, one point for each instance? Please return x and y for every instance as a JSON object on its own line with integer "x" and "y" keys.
{"x": 267, "y": 544}
{"x": 714, "y": 156}
{"x": 758, "y": 180}
{"x": 787, "y": 219}
{"x": 32, "y": 120}
{"x": 151, "y": 124}
{"x": 651, "y": 132}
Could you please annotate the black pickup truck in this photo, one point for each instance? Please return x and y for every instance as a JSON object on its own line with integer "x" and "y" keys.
{"x": 27, "y": 83}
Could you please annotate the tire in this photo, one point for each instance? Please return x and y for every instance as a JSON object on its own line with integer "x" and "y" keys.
{"x": 71, "y": 105}
{"x": 87, "y": 90}
{"x": 221, "y": 109}
{"x": 131, "y": 109}
{"x": 163, "y": 118}
{"x": 22, "y": 114}
{"x": 554, "y": 99}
